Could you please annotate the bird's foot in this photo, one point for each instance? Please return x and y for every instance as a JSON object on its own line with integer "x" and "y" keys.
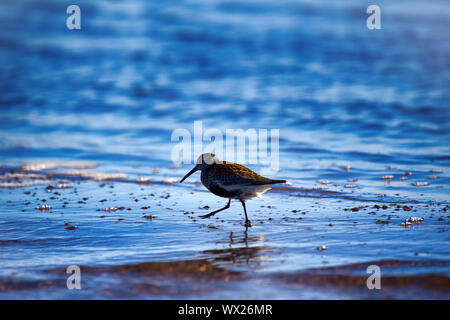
{"x": 248, "y": 223}
{"x": 207, "y": 215}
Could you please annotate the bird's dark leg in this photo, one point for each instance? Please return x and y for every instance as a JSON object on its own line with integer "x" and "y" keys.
{"x": 247, "y": 222}
{"x": 214, "y": 212}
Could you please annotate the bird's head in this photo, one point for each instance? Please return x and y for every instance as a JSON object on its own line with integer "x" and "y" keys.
{"x": 203, "y": 161}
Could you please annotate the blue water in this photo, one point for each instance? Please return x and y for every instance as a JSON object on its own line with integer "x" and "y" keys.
{"x": 112, "y": 93}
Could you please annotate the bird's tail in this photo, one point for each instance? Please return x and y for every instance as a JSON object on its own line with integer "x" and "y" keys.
{"x": 272, "y": 181}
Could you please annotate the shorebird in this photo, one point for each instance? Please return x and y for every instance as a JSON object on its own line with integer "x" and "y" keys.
{"x": 230, "y": 180}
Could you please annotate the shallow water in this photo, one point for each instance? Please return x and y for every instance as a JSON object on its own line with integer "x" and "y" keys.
{"x": 109, "y": 96}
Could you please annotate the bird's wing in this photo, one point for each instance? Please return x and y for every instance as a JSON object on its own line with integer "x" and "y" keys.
{"x": 227, "y": 175}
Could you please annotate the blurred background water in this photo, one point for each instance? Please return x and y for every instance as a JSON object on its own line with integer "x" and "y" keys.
{"x": 113, "y": 92}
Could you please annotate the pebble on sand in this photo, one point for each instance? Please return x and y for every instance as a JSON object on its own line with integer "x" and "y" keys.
{"x": 420, "y": 184}
{"x": 43, "y": 207}
{"x": 60, "y": 186}
{"x": 414, "y": 220}
{"x": 405, "y": 224}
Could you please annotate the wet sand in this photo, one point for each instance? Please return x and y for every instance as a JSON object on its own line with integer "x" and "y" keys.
{"x": 202, "y": 279}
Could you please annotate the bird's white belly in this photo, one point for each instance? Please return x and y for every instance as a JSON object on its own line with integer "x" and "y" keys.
{"x": 248, "y": 192}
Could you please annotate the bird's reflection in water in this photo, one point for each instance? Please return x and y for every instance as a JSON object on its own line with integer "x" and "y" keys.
{"x": 241, "y": 249}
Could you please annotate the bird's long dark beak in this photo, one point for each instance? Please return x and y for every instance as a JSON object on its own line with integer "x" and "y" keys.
{"x": 196, "y": 168}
